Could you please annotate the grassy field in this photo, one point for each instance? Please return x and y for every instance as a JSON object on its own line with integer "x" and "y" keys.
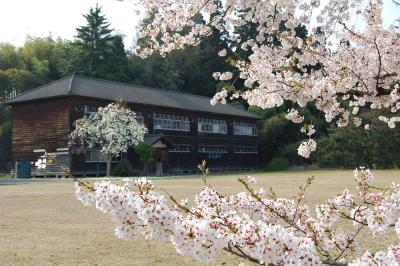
{"x": 43, "y": 223}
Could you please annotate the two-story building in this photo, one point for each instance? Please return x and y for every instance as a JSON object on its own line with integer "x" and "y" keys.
{"x": 183, "y": 128}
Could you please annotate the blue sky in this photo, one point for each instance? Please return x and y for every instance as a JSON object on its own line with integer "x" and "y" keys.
{"x": 19, "y": 18}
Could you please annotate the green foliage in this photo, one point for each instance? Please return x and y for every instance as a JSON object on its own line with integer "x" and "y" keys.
{"x": 94, "y": 39}
{"x": 5, "y": 136}
{"x": 123, "y": 168}
{"x": 278, "y": 163}
{"x": 279, "y": 136}
{"x": 145, "y": 152}
{"x": 154, "y": 71}
{"x": 351, "y": 147}
{"x": 189, "y": 70}
{"x": 9, "y": 57}
{"x": 100, "y": 53}
{"x": 289, "y": 151}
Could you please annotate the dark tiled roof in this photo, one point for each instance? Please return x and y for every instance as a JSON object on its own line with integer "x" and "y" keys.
{"x": 153, "y": 138}
{"x": 110, "y": 90}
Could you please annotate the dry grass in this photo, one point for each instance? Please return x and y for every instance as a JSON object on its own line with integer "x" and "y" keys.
{"x": 43, "y": 223}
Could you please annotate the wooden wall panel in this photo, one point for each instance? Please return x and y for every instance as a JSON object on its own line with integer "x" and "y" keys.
{"x": 39, "y": 125}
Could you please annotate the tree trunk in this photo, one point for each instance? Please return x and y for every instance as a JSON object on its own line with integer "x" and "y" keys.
{"x": 109, "y": 158}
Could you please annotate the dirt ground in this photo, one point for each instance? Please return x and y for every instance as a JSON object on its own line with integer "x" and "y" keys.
{"x": 44, "y": 224}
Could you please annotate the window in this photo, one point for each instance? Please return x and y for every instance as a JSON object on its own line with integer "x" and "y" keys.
{"x": 171, "y": 122}
{"x": 245, "y": 149}
{"x": 94, "y": 155}
{"x": 207, "y": 148}
{"x": 140, "y": 118}
{"x": 84, "y": 110}
{"x": 213, "y": 152}
{"x": 214, "y": 155}
{"x": 212, "y": 125}
{"x": 243, "y": 128}
{"x": 88, "y": 110}
{"x": 182, "y": 148}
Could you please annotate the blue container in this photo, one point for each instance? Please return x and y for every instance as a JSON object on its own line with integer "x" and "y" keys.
{"x": 22, "y": 170}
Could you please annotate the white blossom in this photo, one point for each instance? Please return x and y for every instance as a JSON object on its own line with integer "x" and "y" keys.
{"x": 269, "y": 229}
{"x": 222, "y": 53}
{"x": 363, "y": 175}
{"x": 308, "y": 130}
{"x": 112, "y": 128}
{"x": 397, "y": 226}
{"x": 41, "y": 163}
{"x": 226, "y": 76}
{"x": 358, "y": 73}
{"x": 306, "y": 147}
{"x": 293, "y": 115}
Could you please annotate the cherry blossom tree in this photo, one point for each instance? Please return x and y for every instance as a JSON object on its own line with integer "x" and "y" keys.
{"x": 348, "y": 63}
{"x": 112, "y": 128}
{"x": 254, "y": 225}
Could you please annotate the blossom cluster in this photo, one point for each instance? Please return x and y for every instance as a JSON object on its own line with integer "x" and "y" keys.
{"x": 253, "y": 225}
{"x": 41, "y": 163}
{"x": 307, "y": 147}
{"x": 293, "y": 115}
{"x": 113, "y": 128}
{"x": 340, "y": 66}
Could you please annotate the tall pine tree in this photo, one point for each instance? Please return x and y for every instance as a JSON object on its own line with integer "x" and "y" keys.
{"x": 101, "y": 54}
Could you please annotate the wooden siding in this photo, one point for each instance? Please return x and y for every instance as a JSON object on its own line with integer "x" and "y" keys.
{"x": 185, "y": 161}
{"x": 228, "y": 161}
{"x": 39, "y": 125}
{"x": 46, "y": 125}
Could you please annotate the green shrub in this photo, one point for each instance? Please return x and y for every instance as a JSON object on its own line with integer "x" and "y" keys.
{"x": 289, "y": 151}
{"x": 124, "y": 168}
{"x": 351, "y": 147}
{"x": 145, "y": 152}
{"x": 278, "y": 163}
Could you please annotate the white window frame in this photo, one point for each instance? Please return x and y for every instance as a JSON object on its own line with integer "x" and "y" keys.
{"x": 212, "y": 148}
{"x": 139, "y": 118}
{"x": 244, "y": 129}
{"x": 89, "y": 110}
{"x": 216, "y": 126}
{"x": 182, "y": 151}
{"x": 212, "y": 151}
{"x": 101, "y": 158}
{"x": 171, "y": 122}
{"x": 245, "y": 149}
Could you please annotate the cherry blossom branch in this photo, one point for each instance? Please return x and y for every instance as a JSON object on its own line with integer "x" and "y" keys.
{"x": 241, "y": 254}
{"x": 286, "y": 219}
{"x": 349, "y": 242}
{"x": 216, "y": 216}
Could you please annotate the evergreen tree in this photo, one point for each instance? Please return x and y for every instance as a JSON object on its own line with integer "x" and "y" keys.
{"x": 101, "y": 54}
{"x": 117, "y": 65}
{"x": 9, "y": 57}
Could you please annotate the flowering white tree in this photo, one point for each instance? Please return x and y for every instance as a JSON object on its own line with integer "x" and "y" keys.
{"x": 112, "y": 128}
{"x": 342, "y": 67}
